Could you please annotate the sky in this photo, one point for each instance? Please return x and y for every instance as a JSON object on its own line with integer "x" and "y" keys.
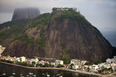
{"x": 100, "y": 13}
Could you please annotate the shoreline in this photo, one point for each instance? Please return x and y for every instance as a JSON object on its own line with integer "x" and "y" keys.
{"x": 52, "y": 68}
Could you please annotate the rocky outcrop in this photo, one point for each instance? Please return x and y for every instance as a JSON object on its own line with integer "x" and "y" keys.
{"x": 63, "y": 35}
{"x": 25, "y": 13}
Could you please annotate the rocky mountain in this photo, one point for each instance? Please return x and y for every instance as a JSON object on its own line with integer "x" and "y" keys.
{"x": 63, "y": 34}
{"x": 25, "y": 13}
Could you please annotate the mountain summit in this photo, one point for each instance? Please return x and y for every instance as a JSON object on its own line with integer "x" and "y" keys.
{"x": 63, "y": 34}
{"x": 25, "y": 13}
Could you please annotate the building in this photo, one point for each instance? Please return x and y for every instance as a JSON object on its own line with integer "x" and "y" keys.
{"x": 113, "y": 65}
{"x": 83, "y": 62}
{"x": 52, "y": 63}
{"x": 66, "y": 8}
{"x": 75, "y": 62}
{"x": 94, "y": 68}
{"x": 2, "y": 49}
{"x": 17, "y": 59}
{"x": 108, "y": 60}
{"x": 101, "y": 65}
{"x": 22, "y": 59}
{"x": 107, "y": 66}
{"x": 33, "y": 60}
{"x": 113, "y": 60}
{"x": 75, "y": 67}
{"x": 57, "y": 62}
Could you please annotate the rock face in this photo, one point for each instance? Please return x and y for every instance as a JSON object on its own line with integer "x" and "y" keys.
{"x": 62, "y": 34}
{"x": 25, "y": 13}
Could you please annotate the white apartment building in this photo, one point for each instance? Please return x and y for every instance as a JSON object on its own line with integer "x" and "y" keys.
{"x": 75, "y": 67}
{"x": 75, "y": 62}
{"x": 94, "y": 68}
{"x": 22, "y": 59}
{"x": 57, "y": 62}
{"x": 33, "y": 60}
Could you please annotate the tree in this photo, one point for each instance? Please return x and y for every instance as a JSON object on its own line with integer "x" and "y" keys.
{"x": 39, "y": 65}
{"x": 88, "y": 69}
{"x": 60, "y": 65}
{"x": 46, "y": 65}
{"x": 88, "y": 63}
{"x": 33, "y": 63}
{"x": 71, "y": 66}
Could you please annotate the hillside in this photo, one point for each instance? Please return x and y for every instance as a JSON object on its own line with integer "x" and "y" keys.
{"x": 62, "y": 34}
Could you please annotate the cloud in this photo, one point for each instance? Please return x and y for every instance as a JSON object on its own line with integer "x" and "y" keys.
{"x": 79, "y": 1}
{"x": 98, "y": 1}
{"x": 6, "y": 5}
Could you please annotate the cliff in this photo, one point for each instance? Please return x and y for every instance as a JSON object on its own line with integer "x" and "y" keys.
{"x": 62, "y": 34}
{"x": 25, "y": 13}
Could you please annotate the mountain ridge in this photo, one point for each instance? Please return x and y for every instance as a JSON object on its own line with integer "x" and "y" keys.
{"x": 62, "y": 34}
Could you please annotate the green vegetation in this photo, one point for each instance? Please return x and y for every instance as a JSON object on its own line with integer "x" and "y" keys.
{"x": 13, "y": 28}
{"x": 91, "y": 63}
{"x": 106, "y": 71}
{"x": 39, "y": 65}
{"x": 8, "y": 61}
{"x": 98, "y": 62}
{"x": 66, "y": 60}
{"x": 41, "y": 19}
{"x": 65, "y": 56}
{"x": 65, "y": 51}
{"x": 24, "y": 38}
{"x": 30, "y": 65}
{"x": 71, "y": 66}
{"x": 60, "y": 65}
{"x": 33, "y": 63}
{"x": 16, "y": 30}
{"x": 88, "y": 63}
{"x": 71, "y": 15}
{"x": 22, "y": 63}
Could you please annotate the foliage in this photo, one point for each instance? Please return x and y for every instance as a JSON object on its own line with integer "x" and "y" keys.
{"x": 65, "y": 56}
{"x": 71, "y": 66}
{"x": 8, "y": 61}
{"x": 24, "y": 38}
{"x": 41, "y": 19}
{"x": 39, "y": 65}
{"x": 23, "y": 63}
{"x": 54, "y": 9}
{"x": 60, "y": 65}
{"x": 66, "y": 51}
{"x": 98, "y": 62}
{"x": 88, "y": 69}
{"x": 33, "y": 63}
{"x": 13, "y": 29}
{"x": 46, "y": 65}
{"x": 66, "y": 60}
{"x": 105, "y": 70}
{"x": 73, "y": 16}
{"x": 88, "y": 63}
{"x": 91, "y": 63}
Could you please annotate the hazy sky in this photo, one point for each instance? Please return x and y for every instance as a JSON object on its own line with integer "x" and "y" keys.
{"x": 101, "y": 13}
